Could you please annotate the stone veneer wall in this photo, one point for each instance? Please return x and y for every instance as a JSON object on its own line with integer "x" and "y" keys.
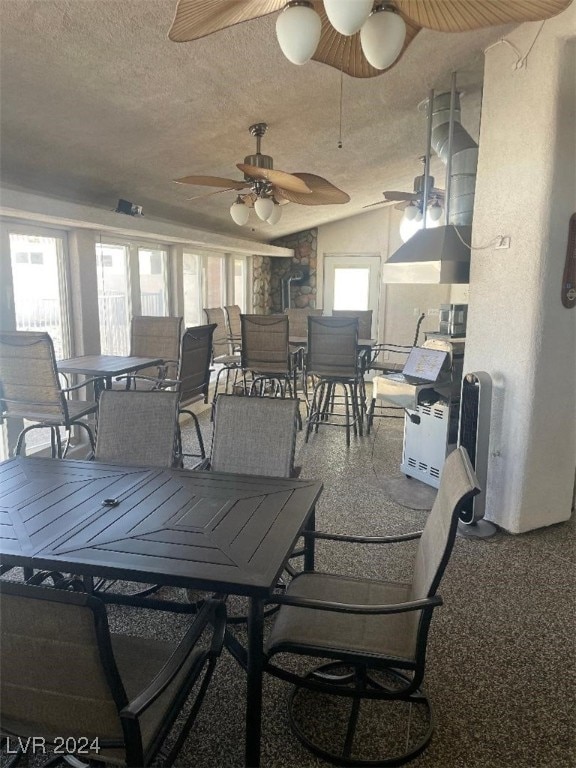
{"x": 261, "y": 285}
{"x": 305, "y": 245}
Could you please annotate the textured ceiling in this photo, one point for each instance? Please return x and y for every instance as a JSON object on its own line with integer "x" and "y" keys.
{"x": 96, "y": 103}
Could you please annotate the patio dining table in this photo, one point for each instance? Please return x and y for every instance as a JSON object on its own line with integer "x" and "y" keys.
{"x": 213, "y": 531}
{"x": 105, "y": 367}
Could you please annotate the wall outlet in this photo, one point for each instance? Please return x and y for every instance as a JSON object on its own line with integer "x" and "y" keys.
{"x": 504, "y": 242}
{"x": 416, "y": 312}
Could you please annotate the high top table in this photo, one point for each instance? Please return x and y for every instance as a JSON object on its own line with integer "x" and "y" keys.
{"x": 211, "y": 531}
{"x": 106, "y": 367}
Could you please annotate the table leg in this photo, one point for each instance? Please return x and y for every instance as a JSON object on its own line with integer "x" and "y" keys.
{"x": 254, "y": 682}
{"x": 309, "y": 542}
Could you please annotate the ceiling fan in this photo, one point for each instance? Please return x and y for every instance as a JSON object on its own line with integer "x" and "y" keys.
{"x": 415, "y": 199}
{"x": 359, "y": 37}
{"x": 266, "y": 189}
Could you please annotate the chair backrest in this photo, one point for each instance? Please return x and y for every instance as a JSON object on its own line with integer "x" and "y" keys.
{"x": 156, "y": 337}
{"x": 233, "y": 321}
{"x": 29, "y": 384}
{"x": 364, "y": 320}
{"x": 58, "y": 674}
{"x": 333, "y": 346}
{"x": 265, "y": 346}
{"x": 457, "y": 484}
{"x": 195, "y": 356}
{"x": 298, "y": 320}
{"x": 254, "y": 435}
{"x": 137, "y": 428}
{"x": 220, "y": 341}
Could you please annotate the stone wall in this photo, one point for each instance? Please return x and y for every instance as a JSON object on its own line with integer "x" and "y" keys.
{"x": 261, "y": 285}
{"x": 305, "y": 245}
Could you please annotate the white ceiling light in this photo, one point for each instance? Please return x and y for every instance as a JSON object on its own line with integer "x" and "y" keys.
{"x": 264, "y": 206}
{"x": 298, "y": 31}
{"x": 410, "y": 212}
{"x": 382, "y": 36}
{"x": 239, "y": 212}
{"x": 435, "y": 211}
{"x": 276, "y": 215}
{"x": 347, "y": 16}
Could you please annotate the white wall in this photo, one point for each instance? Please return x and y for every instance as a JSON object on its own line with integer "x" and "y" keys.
{"x": 377, "y": 231}
{"x": 518, "y": 329}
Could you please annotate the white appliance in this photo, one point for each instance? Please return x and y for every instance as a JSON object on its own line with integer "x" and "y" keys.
{"x": 426, "y": 432}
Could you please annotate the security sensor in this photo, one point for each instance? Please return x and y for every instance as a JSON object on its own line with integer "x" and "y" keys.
{"x": 125, "y": 206}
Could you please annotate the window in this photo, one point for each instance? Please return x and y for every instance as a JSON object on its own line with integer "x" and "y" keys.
{"x": 114, "y": 306}
{"x": 214, "y": 281}
{"x": 39, "y": 285}
{"x": 240, "y": 279}
{"x": 153, "y": 269}
{"x": 192, "y": 286}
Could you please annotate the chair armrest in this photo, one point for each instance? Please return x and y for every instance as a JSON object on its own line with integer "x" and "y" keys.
{"x": 212, "y": 611}
{"x": 324, "y": 605}
{"x": 79, "y": 386}
{"x": 365, "y": 539}
{"x": 204, "y": 464}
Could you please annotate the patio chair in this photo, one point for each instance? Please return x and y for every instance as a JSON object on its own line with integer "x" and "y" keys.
{"x": 65, "y": 674}
{"x": 152, "y": 336}
{"x": 298, "y": 320}
{"x": 233, "y": 325}
{"x": 266, "y": 355}
{"x": 332, "y": 361}
{"x": 375, "y": 634}
{"x": 30, "y": 389}
{"x": 364, "y": 320}
{"x": 138, "y": 428}
{"x": 223, "y": 356}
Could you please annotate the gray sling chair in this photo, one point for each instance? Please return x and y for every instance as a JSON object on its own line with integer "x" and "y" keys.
{"x": 152, "y": 336}
{"x": 375, "y": 634}
{"x": 233, "y": 312}
{"x": 253, "y": 436}
{"x": 222, "y": 351}
{"x": 30, "y": 389}
{"x": 120, "y": 693}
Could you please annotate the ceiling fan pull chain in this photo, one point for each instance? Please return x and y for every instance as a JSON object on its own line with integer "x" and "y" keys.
{"x": 341, "y": 100}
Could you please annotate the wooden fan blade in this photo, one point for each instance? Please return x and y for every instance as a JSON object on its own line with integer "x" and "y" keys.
{"x": 439, "y": 193}
{"x": 323, "y": 192}
{"x": 197, "y": 18}
{"x": 380, "y": 202}
{"x": 456, "y": 16}
{"x": 277, "y": 178}
{"x": 212, "y": 181}
{"x": 395, "y": 195}
{"x": 345, "y": 53}
{"x": 210, "y": 194}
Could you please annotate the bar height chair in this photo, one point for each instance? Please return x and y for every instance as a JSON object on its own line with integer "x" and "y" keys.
{"x": 223, "y": 355}
{"x": 152, "y": 336}
{"x": 30, "y": 390}
{"x": 266, "y": 354}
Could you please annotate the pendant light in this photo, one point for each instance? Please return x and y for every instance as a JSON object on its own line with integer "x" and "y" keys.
{"x": 298, "y": 30}
{"x": 239, "y": 212}
{"x": 410, "y": 212}
{"x": 382, "y": 36}
{"x": 435, "y": 211}
{"x": 276, "y": 215}
{"x": 264, "y": 207}
{"x": 347, "y": 16}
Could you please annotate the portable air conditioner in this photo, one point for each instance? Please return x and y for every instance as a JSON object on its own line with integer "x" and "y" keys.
{"x": 474, "y": 435}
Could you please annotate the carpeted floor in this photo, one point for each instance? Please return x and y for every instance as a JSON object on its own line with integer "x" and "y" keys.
{"x": 500, "y": 670}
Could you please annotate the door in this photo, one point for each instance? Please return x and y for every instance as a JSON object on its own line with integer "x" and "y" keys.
{"x": 353, "y": 283}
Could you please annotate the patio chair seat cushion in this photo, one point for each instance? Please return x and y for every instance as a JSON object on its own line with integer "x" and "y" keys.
{"x": 390, "y": 636}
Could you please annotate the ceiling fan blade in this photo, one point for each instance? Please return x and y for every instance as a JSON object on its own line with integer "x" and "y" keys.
{"x": 380, "y": 202}
{"x": 323, "y": 192}
{"x": 198, "y": 18}
{"x": 395, "y": 195}
{"x": 277, "y": 178}
{"x": 212, "y": 181}
{"x": 210, "y": 194}
{"x": 439, "y": 193}
{"x": 456, "y": 16}
{"x": 345, "y": 53}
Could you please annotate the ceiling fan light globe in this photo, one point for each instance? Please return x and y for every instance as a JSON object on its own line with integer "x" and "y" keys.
{"x": 408, "y": 228}
{"x": 347, "y": 16}
{"x": 264, "y": 206}
{"x": 239, "y": 213}
{"x": 275, "y": 216}
{"x": 382, "y": 38}
{"x": 298, "y": 30}
{"x": 418, "y": 216}
{"x": 410, "y": 212}
{"x": 434, "y": 212}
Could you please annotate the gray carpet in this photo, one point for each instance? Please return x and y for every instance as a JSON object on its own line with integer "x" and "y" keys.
{"x": 500, "y": 669}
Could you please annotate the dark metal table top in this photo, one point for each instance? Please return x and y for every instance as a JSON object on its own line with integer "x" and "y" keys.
{"x": 302, "y": 341}
{"x": 105, "y": 365}
{"x": 229, "y": 533}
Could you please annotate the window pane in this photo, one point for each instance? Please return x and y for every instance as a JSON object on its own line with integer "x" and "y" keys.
{"x": 113, "y": 299}
{"x": 214, "y": 281}
{"x": 192, "y": 290}
{"x": 351, "y": 287}
{"x": 153, "y": 268}
{"x": 240, "y": 283}
{"x": 36, "y": 269}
